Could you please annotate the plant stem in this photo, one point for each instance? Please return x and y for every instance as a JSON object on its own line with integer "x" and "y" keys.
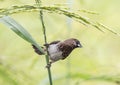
{"x": 45, "y": 40}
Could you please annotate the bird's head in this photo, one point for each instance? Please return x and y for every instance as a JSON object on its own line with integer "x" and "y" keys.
{"x": 77, "y": 43}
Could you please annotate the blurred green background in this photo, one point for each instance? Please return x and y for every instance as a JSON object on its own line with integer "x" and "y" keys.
{"x": 97, "y": 63}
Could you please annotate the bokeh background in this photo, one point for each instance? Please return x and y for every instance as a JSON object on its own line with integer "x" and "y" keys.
{"x": 97, "y": 63}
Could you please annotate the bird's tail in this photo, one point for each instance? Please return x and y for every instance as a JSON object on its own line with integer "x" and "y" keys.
{"x": 37, "y": 51}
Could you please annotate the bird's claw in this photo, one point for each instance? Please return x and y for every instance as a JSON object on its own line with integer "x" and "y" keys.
{"x": 48, "y": 65}
{"x": 47, "y": 45}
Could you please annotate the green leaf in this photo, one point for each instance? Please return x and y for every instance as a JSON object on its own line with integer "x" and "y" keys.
{"x": 19, "y": 30}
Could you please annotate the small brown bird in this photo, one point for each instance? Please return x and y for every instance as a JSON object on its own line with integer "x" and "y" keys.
{"x": 59, "y": 50}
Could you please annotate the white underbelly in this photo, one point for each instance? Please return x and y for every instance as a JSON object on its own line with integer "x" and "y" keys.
{"x": 54, "y": 53}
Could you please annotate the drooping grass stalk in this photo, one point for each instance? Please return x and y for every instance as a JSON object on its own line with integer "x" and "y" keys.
{"x": 38, "y": 2}
{"x": 52, "y": 9}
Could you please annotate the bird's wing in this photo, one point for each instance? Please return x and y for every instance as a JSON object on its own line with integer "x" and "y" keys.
{"x": 54, "y": 42}
{"x": 66, "y": 50}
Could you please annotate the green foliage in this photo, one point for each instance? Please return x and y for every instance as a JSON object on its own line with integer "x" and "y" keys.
{"x": 7, "y": 76}
{"x": 86, "y": 77}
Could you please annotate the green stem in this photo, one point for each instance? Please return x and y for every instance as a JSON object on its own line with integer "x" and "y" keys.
{"x": 45, "y": 39}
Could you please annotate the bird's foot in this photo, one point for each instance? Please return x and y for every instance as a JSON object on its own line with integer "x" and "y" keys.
{"x": 46, "y": 45}
{"x": 48, "y": 65}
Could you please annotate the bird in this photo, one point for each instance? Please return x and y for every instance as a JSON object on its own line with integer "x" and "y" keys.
{"x": 59, "y": 50}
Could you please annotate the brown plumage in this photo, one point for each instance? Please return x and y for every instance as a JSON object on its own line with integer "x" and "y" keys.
{"x": 59, "y": 50}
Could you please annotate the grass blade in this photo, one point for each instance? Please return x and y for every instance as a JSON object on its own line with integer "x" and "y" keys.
{"x": 19, "y": 30}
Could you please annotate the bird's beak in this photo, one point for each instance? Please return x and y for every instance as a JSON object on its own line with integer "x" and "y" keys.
{"x": 80, "y": 46}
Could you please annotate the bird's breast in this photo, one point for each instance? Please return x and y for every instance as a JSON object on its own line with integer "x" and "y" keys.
{"x": 54, "y": 52}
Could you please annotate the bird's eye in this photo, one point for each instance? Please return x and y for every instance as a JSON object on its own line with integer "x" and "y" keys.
{"x": 78, "y": 45}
